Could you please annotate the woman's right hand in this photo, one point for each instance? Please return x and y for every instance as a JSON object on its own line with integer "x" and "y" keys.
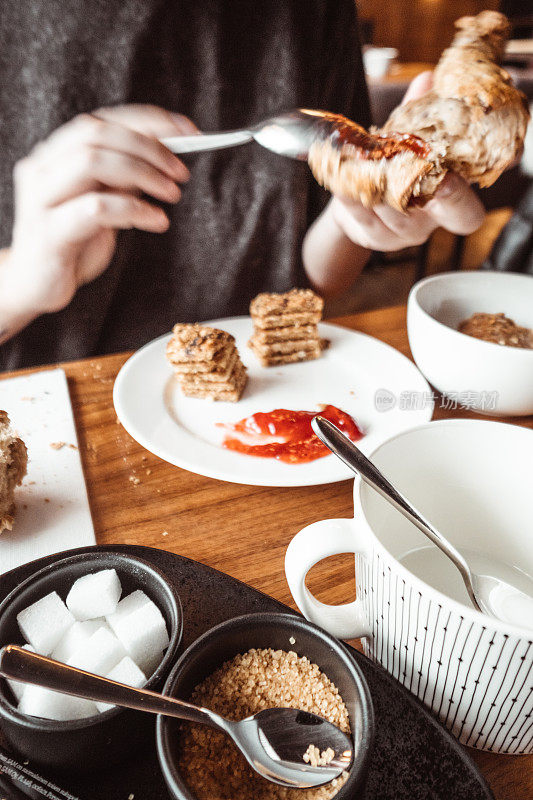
{"x": 72, "y": 194}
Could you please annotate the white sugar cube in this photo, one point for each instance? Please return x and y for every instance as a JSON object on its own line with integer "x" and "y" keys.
{"x": 126, "y": 671}
{"x": 98, "y": 622}
{"x": 75, "y": 637}
{"x": 45, "y": 622}
{"x": 132, "y": 602}
{"x": 39, "y": 702}
{"x": 141, "y": 628}
{"x": 95, "y": 595}
{"x": 99, "y": 653}
{"x": 16, "y": 687}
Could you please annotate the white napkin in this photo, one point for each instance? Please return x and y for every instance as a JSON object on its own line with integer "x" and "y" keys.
{"x": 52, "y": 507}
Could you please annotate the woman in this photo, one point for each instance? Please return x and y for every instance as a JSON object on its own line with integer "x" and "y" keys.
{"x": 104, "y": 245}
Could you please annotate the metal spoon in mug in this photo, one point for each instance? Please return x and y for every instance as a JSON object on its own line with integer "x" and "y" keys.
{"x": 273, "y": 741}
{"x": 491, "y": 594}
{"x": 290, "y": 134}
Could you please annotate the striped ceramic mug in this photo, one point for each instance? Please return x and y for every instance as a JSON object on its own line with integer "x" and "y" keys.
{"x": 473, "y": 480}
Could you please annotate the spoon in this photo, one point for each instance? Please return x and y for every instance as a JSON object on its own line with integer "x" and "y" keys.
{"x": 273, "y": 741}
{"x": 489, "y": 593}
{"x": 290, "y": 134}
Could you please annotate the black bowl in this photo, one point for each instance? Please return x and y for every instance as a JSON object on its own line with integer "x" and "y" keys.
{"x": 280, "y": 632}
{"x": 105, "y": 738}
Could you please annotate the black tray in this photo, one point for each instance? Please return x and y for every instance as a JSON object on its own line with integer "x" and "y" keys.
{"x": 414, "y": 758}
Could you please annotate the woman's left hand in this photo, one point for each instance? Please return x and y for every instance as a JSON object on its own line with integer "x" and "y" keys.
{"x": 455, "y": 207}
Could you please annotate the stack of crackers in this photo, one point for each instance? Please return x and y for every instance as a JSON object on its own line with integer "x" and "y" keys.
{"x": 206, "y": 362}
{"x": 286, "y": 327}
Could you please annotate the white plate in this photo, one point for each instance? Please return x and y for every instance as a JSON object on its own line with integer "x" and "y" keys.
{"x": 183, "y": 430}
{"x": 52, "y": 506}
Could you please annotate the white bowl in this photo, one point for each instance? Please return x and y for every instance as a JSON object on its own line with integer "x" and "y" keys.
{"x": 490, "y": 378}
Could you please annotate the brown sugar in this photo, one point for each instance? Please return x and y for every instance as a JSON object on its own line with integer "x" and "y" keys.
{"x": 251, "y": 682}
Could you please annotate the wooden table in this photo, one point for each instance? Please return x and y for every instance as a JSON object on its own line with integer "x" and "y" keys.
{"x": 242, "y": 530}
{"x": 403, "y": 72}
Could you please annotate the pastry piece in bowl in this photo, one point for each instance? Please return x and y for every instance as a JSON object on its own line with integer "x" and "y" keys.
{"x": 473, "y": 122}
{"x": 13, "y": 463}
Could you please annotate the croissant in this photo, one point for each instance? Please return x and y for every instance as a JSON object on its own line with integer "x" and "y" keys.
{"x": 473, "y": 122}
{"x": 13, "y": 462}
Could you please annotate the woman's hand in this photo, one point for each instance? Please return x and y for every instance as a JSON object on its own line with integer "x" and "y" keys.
{"x": 455, "y": 207}
{"x": 74, "y": 191}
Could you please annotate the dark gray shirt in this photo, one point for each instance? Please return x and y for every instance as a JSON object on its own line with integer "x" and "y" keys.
{"x": 226, "y": 64}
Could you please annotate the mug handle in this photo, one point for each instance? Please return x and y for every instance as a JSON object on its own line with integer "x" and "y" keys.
{"x": 328, "y": 537}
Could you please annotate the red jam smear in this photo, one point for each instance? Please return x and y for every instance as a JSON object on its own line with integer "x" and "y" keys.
{"x": 372, "y": 146}
{"x": 299, "y": 443}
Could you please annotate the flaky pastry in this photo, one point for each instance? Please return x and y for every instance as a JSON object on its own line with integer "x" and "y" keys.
{"x": 472, "y": 122}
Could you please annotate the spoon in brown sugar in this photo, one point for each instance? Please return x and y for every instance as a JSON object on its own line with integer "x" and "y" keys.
{"x": 273, "y": 741}
{"x": 290, "y": 134}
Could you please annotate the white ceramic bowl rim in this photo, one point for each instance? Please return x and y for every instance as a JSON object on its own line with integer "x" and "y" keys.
{"x": 445, "y": 277}
{"x": 460, "y": 608}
